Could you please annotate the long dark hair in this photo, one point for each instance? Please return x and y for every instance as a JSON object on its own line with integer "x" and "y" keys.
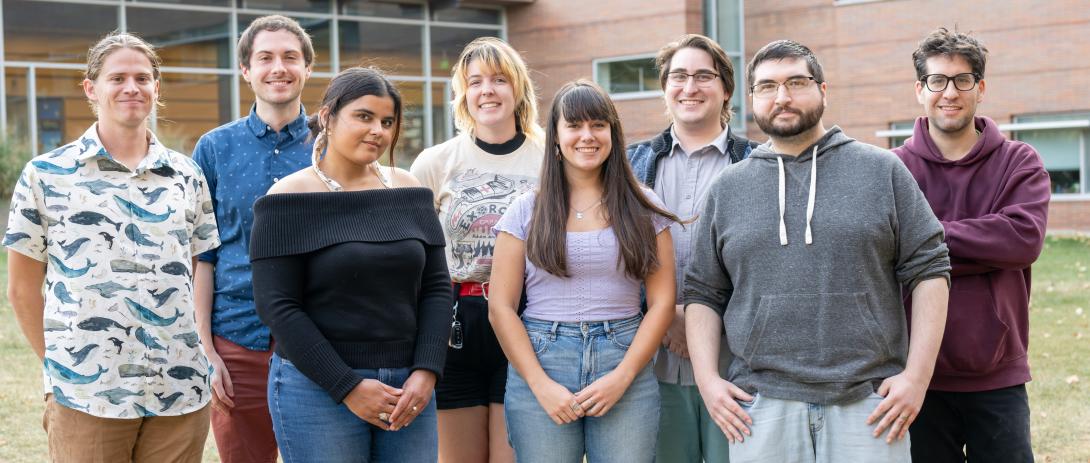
{"x": 628, "y": 209}
{"x": 346, "y": 87}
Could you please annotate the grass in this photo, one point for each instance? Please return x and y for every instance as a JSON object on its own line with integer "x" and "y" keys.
{"x": 1059, "y": 356}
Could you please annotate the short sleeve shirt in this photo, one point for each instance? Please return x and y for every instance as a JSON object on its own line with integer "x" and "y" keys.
{"x": 120, "y": 336}
{"x": 598, "y": 288}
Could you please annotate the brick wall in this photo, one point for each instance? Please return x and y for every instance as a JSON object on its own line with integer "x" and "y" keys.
{"x": 1064, "y": 216}
{"x": 560, "y": 39}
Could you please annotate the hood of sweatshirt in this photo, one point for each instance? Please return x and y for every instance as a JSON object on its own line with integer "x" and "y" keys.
{"x": 921, "y": 145}
{"x": 825, "y": 146}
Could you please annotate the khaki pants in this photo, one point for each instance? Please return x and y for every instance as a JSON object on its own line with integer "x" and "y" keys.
{"x": 77, "y": 437}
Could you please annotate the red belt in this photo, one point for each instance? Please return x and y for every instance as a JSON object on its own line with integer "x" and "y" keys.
{"x": 472, "y": 288}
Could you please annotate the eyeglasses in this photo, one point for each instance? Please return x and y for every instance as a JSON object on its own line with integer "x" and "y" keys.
{"x": 702, "y": 79}
{"x": 794, "y": 84}
{"x": 963, "y": 82}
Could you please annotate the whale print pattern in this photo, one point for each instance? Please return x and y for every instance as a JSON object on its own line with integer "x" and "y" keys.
{"x": 118, "y": 316}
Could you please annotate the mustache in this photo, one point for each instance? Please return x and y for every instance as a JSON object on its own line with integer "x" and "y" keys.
{"x": 781, "y": 110}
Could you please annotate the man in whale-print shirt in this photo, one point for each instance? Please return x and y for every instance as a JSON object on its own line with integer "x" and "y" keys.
{"x": 111, "y": 224}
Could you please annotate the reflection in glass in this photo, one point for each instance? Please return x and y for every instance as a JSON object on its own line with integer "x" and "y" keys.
{"x": 411, "y": 142}
{"x": 313, "y": 6}
{"x": 189, "y": 2}
{"x": 194, "y": 104}
{"x": 395, "y": 48}
{"x": 637, "y": 75}
{"x": 184, "y": 39}
{"x": 318, "y": 29}
{"x": 63, "y": 111}
{"x": 442, "y": 113}
{"x": 383, "y": 9}
{"x": 45, "y": 31}
{"x": 447, "y": 43}
{"x": 467, "y": 15}
{"x": 15, "y": 87}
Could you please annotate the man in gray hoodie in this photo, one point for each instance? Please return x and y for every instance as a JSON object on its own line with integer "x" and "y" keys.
{"x": 807, "y": 245}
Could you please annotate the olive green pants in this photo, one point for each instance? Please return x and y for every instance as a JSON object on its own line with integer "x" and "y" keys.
{"x": 686, "y": 432}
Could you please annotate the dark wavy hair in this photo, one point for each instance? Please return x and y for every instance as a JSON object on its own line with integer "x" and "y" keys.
{"x": 943, "y": 42}
{"x": 346, "y": 87}
{"x": 628, "y": 208}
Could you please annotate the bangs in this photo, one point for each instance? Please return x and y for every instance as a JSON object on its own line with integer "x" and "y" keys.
{"x": 584, "y": 103}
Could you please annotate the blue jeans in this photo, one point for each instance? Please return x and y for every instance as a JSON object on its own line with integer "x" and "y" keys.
{"x": 786, "y": 430}
{"x": 575, "y": 355}
{"x": 311, "y": 427}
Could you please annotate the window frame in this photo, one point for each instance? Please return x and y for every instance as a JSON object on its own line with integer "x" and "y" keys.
{"x": 638, "y": 95}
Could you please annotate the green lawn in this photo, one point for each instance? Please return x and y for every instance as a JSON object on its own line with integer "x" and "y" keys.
{"x": 1059, "y": 355}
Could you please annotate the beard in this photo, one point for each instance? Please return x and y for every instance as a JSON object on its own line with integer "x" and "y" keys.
{"x": 806, "y": 121}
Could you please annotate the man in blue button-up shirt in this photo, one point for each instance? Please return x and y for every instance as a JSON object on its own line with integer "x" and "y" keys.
{"x": 242, "y": 160}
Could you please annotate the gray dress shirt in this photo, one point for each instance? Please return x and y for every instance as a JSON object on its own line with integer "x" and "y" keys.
{"x": 682, "y": 181}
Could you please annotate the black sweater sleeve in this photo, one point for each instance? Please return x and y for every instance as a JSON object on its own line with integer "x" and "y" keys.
{"x": 434, "y": 313}
{"x": 279, "y": 284}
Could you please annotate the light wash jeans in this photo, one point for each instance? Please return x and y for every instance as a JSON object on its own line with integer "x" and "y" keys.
{"x": 311, "y": 427}
{"x": 575, "y": 355}
{"x": 799, "y": 432}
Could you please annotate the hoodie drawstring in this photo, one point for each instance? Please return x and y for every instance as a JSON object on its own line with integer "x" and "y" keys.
{"x": 809, "y": 200}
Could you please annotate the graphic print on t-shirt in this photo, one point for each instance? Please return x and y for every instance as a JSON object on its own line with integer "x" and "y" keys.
{"x": 479, "y": 200}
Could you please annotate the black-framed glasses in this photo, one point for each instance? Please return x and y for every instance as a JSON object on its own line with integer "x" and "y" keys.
{"x": 938, "y": 82}
{"x": 794, "y": 84}
{"x": 702, "y": 78}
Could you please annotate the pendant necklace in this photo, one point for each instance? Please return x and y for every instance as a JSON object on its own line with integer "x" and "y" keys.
{"x": 579, "y": 213}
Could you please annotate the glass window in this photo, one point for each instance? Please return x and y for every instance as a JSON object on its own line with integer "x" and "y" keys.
{"x": 395, "y": 48}
{"x": 382, "y": 9}
{"x": 47, "y": 31}
{"x": 467, "y": 15}
{"x": 442, "y": 113}
{"x": 225, "y": 3}
{"x": 898, "y": 141}
{"x": 314, "y": 6}
{"x": 737, "y": 99}
{"x": 193, "y": 105}
{"x": 1063, "y": 151}
{"x": 447, "y": 44}
{"x": 628, "y": 76}
{"x": 724, "y": 17}
{"x": 320, "y": 36}
{"x": 15, "y": 88}
{"x": 411, "y": 141}
{"x": 67, "y": 114}
{"x": 184, "y": 39}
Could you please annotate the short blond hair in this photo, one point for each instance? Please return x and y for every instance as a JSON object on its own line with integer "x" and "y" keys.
{"x": 114, "y": 41}
{"x": 497, "y": 57}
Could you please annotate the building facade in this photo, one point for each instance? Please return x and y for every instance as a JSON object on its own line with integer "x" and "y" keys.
{"x": 1037, "y": 84}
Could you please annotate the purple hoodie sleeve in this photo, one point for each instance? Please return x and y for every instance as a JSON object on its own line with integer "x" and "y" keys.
{"x": 1013, "y": 235}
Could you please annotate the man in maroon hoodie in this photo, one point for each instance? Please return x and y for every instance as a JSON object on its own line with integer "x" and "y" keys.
{"x": 991, "y": 196}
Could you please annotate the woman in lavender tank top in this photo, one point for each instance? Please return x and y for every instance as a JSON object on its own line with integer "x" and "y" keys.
{"x": 582, "y": 245}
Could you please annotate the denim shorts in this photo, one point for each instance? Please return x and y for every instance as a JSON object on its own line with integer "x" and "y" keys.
{"x": 575, "y": 355}
{"x": 311, "y": 427}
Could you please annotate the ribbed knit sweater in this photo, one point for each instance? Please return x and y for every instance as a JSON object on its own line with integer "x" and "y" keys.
{"x": 352, "y": 280}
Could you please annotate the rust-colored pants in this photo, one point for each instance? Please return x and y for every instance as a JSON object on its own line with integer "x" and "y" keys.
{"x": 246, "y": 434}
{"x": 77, "y": 437}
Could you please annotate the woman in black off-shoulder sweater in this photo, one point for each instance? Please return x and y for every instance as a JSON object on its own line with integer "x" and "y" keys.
{"x": 352, "y": 281}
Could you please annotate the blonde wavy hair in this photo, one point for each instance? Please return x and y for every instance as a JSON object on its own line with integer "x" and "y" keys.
{"x": 497, "y": 57}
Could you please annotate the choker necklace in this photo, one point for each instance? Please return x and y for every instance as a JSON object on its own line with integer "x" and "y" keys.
{"x": 334, "y": 186}
{"x": 579, "y": 213}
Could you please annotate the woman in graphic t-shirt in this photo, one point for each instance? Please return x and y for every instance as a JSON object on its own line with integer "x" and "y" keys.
{"x": 475, "y": 176}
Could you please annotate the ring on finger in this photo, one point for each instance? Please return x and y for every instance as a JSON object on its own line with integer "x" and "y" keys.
{"x": 415, "y": 409}
{"x": 574, "y": 406}
{"x": 384, "y": 417}
{"x": 902, "y": 418}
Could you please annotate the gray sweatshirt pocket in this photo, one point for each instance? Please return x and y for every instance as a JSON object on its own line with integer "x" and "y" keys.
{"x": 817, "y": 338}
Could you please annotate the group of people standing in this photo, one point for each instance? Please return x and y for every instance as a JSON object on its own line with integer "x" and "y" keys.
{"x": 696, "y": 296}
